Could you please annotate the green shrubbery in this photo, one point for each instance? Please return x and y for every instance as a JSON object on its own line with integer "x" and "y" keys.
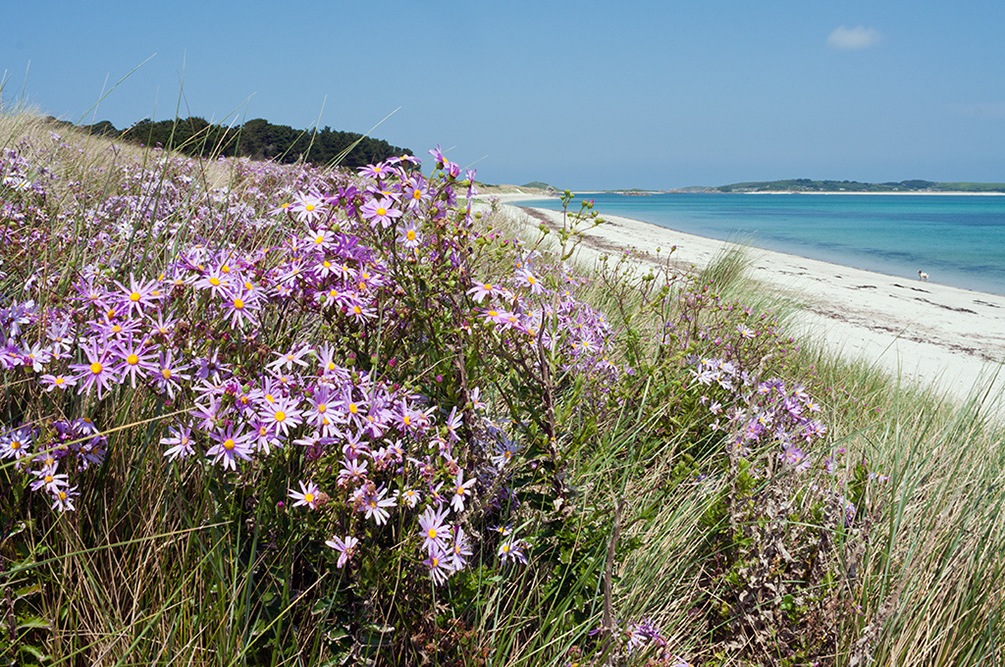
{"x": 262, "y": 414}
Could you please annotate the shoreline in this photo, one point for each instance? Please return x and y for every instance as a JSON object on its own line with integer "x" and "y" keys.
{"x": 644, "y": 193}
{"x": 947, "y": 337}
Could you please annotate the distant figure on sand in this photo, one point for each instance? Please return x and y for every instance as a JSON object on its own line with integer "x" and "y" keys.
{"x": 922, "y": 275}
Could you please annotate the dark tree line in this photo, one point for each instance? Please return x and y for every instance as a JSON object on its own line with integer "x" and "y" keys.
{"x": 258, "y": 139}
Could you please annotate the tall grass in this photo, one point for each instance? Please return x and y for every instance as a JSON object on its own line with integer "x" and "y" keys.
{"x": 652, "y": 536}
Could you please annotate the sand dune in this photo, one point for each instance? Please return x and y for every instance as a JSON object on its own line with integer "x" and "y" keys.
{"x": 924, "y": 331}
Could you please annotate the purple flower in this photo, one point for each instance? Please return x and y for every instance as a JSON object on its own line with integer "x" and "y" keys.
{"x": 308, "y": 495}
{"x": 345, "y": 547}
{"x": 97, "y": 372}
{"x": 435, "y": 532}
{"x": 438, "y": 565}
{"x": 179, "y": 442}
{"x": 462, "y": 490}
{"x": 230, "y": 446}
{"x": 375, "y": 504}
{"x": 380, "y": 212}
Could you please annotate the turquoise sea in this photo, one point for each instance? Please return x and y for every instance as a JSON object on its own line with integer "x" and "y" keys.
{"x": 958, "y": 240}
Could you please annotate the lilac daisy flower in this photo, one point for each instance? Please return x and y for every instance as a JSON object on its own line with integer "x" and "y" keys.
{"x": 180, "y": 443}
{"x": 512, "y": 549}
{"x": 346, "y": 548}
{"x": 97, "y": 372}
{"x": 308, "y": 495}
{"x": 48, "y": 479}
{"x": 462, "y": 490}
{"x": 380, "y": 212}
{"x": 460, "y": 549}
{"x": 375, "y": 504}
{"x": 15, "y": 444}
{"x": 282, "y": 415}
{"x": 435, "y": 531}
{"x": 132, "y": 359}
{"x": 63, "y": 499}
{"x": 138, "y": 295}
{"x": 438, "y": 565}
{"x": 57, "y": 381}
{"x": 409, "y": 235}
{"x": 230, "y": 447}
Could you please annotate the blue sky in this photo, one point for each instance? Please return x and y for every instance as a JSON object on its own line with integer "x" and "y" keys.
{"x": 653, "y": 94}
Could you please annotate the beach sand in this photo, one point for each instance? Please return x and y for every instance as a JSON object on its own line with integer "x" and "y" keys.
{"x": 923, "y": 332}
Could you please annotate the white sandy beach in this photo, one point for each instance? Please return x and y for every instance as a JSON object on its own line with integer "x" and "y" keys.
{"x": 923, "y": 331}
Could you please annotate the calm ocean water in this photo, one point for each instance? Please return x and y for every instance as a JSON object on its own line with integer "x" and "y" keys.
{"x": 957, "y": 240}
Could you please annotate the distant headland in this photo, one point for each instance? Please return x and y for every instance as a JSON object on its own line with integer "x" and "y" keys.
{"x": 807, "y": 185}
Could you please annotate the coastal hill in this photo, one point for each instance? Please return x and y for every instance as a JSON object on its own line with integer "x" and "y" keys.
{"x": 808, "y": 185}
{"x": 257, "y": 139}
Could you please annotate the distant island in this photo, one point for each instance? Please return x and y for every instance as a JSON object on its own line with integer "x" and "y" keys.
{"x": 808, "y": 185}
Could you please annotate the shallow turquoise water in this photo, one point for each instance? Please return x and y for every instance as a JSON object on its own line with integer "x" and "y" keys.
{"x": 957, "y": 240}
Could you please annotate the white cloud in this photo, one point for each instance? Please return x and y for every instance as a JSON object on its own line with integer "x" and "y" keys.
{"x": 850, "y": 39}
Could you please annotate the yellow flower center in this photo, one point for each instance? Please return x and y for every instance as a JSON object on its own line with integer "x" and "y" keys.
{"x": 319, "y": 239}
{"x": 353, "y": 408}
{"x": 373, "y": 504}
{"x": 322, "y": 407}
{"x": 134, "y": 297}
{"x": 224, "y": 269}
{"x": 15, "y": 445}
{"x": 410, "y": 235}
{"x": 280, "y": 416}
{"x": 132, "y": 360}
{"x": 357, "y": 310}
{"x": 95, "y": 368}
{"x": 238, "y": 304}
{"x": 116, "y": 328}
{"x": 308, "y": 498}
{"x": 417, "y": 194}
{"x": 62, "y": 495}
{"x": 309, "y": 207}
{"x": 166, "y": 372}
{"x": 214, "y": 281}
{"x": 407, "y": 420}
{"x": 59, "y": 381}
{"x": 48, "y": 479}
{"x": 228, "y": 444}
{"x": 269, "y": 398}
{"x": 381, "y": 211}
{"x": 432, "y": 533}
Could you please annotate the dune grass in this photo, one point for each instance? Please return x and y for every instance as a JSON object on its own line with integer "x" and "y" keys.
{"x": 663, "y": 476}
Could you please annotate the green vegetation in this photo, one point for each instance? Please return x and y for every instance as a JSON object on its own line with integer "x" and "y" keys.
{"x": 807, "y": 185}
{"x": 417, "y": 436}
{"x": 257, "y": 139}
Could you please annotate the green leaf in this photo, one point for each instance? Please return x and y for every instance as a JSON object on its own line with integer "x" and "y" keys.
{"x": 33, "y": 622}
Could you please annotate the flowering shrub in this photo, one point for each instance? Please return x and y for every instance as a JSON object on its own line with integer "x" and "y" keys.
{"x": 373, "y": 403}
{"x": 331, "y": 329}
